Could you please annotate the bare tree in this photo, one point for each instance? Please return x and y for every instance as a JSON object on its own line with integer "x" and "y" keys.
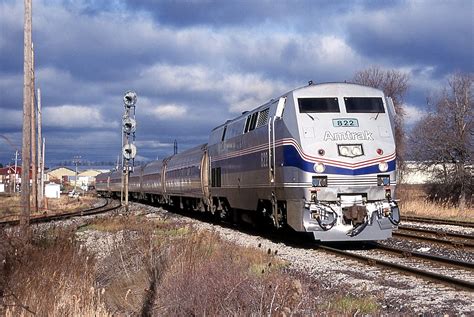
{"x": 444, "y": 138}
{"x": 395, "y": 85}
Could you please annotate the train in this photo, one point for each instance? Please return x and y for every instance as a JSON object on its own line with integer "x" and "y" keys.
{"x": 319, "y": 159}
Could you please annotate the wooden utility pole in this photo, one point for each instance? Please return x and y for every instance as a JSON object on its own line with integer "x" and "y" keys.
{"x": 27, "y": 92}
{"x": 34, "y": 171}
{"x": 40, "y": 155}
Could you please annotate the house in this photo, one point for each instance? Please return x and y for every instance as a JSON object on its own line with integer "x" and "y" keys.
{"x": 9, "y": 178}
{"x": 87, "y": 178}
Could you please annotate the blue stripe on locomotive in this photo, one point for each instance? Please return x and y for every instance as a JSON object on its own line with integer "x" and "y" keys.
{"x": 291, "y": 157}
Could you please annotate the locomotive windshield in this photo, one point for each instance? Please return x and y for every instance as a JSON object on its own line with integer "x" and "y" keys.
{"x": 364, "y": 105}
{"x": 318, "y": 105}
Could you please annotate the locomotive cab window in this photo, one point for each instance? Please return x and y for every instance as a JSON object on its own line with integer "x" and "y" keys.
{"x": 316, "y": 105}
{"x": 251, "y": 122}
{"x": 364, "y": 105}
{"x": 223, "y": 134}
{"x": 247, "y": 124}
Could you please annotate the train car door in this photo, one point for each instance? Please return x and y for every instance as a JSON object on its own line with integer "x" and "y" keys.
{"x": 205, "y": 168}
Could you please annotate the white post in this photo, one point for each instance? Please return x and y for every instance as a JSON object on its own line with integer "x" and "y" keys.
{"x": 42, "y": 168}
{"x": 16, "y": 166}
{"x": 40, "y": 156}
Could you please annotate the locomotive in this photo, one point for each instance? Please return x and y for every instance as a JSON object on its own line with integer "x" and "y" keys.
{"x": 318, "y": 159}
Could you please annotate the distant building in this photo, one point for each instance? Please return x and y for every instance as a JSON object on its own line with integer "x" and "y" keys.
{"x": 52, "y": 190}
{"x": 60, "y": 175}
{"x": 9, "y": 178}
{"x": 87, "y": 178}
{"x": 416, "y": 173}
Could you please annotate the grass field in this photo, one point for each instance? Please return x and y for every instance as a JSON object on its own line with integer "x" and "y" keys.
{"x": 10, "y": 206}
{"x": 414, "y": 201}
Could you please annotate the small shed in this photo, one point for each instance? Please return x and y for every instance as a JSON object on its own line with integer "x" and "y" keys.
{"x": 52, "y": 190}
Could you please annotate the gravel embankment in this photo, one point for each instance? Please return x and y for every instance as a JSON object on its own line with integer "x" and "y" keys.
{"x": 402, "y": 294}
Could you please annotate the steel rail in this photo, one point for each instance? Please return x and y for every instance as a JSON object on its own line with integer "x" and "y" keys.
{"x": 439, "y": 233}
{"x": 431, "y": 239}
{"x": 425, "y": 256}
{"x": 47, "y": 218}
{"x": 439, "y": 221}
{"x": 414, "y": 271}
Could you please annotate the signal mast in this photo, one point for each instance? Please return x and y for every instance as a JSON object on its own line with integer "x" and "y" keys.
{"x": 129, "y": 150}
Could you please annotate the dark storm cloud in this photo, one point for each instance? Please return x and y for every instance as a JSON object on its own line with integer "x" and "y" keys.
{"x": 438, "y": 33}
{"x": 196, "y": 64}
{"x": 215, "y": 13}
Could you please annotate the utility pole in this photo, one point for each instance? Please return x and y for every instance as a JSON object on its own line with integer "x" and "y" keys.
{"x": 40, "y": 156}
{"x": 27, "y": 97}
{"x": 175, "y": 147}
{"x": 76, "y": 162}
{"x": 34, "y": 171}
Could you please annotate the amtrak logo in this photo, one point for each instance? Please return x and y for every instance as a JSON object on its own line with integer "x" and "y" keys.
{"x": 348, "y": 136}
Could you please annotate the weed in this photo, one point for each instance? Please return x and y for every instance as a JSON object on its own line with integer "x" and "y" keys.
{"x": 48, "y": 276}
{"x": 354, "y": 305}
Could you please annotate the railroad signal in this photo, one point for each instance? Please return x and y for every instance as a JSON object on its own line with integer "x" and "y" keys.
{"x": 129, "y": 125}
{"x": 129, "y": 150}
{"x": 130, "y": 98}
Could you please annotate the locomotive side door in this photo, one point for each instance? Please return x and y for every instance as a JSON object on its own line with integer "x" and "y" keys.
{"x": 272, "y": 160}
{"x": 271, "y": 140}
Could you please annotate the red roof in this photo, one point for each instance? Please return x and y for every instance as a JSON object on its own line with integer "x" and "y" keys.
{"x": 11, "y": 170}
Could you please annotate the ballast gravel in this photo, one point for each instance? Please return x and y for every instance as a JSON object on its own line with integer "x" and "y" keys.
{"x": 402, "y": 293}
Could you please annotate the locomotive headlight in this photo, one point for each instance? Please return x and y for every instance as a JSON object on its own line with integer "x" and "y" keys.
{"x": 344, "y": 150}
{"x": 383, "y": 166}
{"x": 320, "y": 181}
{"x": 319, "y": 167}
{"x": 356, "y": 151}
{"x": 350, "y": 150}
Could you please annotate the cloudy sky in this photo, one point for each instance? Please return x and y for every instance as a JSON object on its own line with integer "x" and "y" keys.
{"x": 197, "y": 63}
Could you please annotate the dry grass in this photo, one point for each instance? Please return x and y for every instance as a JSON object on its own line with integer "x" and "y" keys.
{"x": 47, "y": 276}
{"x": 414, "y": 201}
{"x": 10, "y": 207}
{"x": 173, "y": 270}
{"x": 158, "y": 268}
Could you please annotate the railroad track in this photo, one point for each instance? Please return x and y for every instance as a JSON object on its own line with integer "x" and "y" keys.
{"x": 441, "y": 237}
{"x": 430, "y": 267}
{"x": 438, "y": 221}
{"x": 47, "y": 218}
{"x": 439, "y": 269}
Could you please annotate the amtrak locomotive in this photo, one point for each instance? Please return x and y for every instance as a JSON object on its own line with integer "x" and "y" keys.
{"x": 318, "y": 159}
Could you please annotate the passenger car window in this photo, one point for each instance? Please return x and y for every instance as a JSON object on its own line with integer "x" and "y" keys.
{"x": 315, "y": 105}
{"x": 364, "y": 105}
